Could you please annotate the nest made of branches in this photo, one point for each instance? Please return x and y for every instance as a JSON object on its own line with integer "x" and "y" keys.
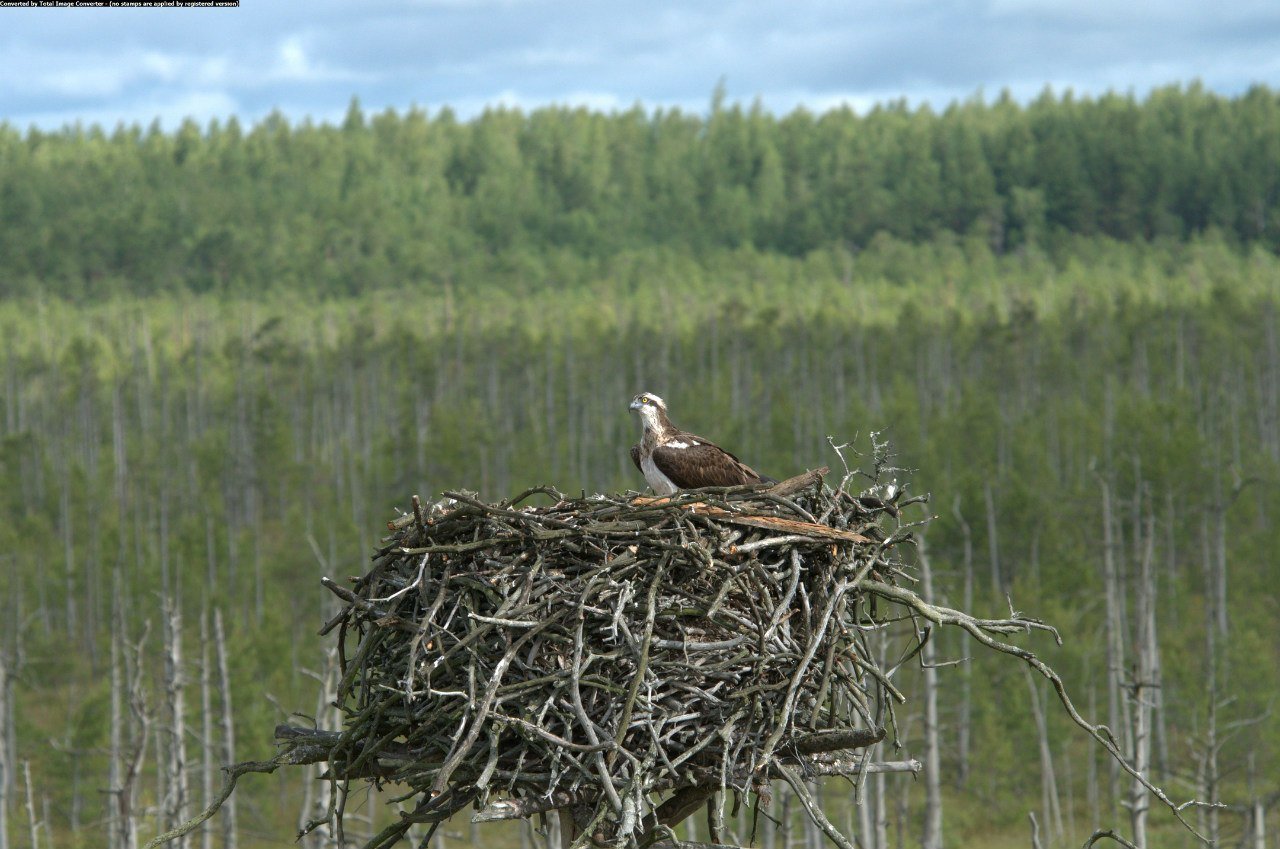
{"x": 621, "y": 660}
{"x": 591, "y": 653}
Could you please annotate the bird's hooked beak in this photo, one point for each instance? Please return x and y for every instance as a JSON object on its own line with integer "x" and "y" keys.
{"x": 635, "y": 405}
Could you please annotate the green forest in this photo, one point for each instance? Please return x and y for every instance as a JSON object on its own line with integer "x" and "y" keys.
{"x": 229, "y": 356}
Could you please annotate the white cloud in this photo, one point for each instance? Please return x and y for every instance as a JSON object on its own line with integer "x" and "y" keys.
{"x": 311, "y": 59}
{"x": 85, "y": 81}
{"x": 161, "y": 66}
{"x": 293, "y": 60}
{"x": 203, "y": 106}
{"x": 555, "y": 57}
{"x": 84, "y": 75}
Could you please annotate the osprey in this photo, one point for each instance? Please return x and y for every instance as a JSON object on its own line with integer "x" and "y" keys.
{"x": 672, "y": 459}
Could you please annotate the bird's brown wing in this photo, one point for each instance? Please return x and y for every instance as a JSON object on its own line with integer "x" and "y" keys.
{"x": 701, "y": 463}
{"x": 635, "y": 456}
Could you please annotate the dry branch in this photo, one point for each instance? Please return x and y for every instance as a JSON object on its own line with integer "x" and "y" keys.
{"x": 595, "y": 654}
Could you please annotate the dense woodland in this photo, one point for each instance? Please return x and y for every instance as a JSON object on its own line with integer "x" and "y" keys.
{"x": 420, "y": 198}
{"x": 227, "y": 356}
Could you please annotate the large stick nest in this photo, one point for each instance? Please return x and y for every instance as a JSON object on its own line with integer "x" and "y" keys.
{"x": 592, "y": 653}
{"x": 624, "y": 659}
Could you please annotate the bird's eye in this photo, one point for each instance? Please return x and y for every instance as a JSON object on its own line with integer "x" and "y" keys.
{"x": 644, "y": 399}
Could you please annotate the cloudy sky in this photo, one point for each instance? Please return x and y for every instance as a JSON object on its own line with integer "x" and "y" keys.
{"x": 309, "y": 57}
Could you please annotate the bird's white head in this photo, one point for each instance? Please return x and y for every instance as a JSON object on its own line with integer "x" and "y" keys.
{"x": 652, "y": 410}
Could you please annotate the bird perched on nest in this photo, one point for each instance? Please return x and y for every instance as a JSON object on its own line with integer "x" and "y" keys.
{"x": 672, "y": 459}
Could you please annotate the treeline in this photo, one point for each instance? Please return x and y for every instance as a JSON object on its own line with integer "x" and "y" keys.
{"x": 532, "y": 199}
{"x": 219, "y": 456}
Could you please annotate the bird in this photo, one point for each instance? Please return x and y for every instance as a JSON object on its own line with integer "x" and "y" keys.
{"x": 671, "y": 459}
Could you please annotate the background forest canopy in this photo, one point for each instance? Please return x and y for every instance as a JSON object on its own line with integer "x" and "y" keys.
{"x": 549, "y": 197}
{"x": 228, "y": 355}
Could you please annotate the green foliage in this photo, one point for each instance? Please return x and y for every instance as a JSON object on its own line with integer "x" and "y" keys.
{"x": 411, "y": 198}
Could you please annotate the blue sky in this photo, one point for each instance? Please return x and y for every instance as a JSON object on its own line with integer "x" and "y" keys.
{"x": 106, "y": 66}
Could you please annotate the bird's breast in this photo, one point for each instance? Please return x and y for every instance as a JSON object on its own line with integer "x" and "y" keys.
{"x": 661, "y": 484}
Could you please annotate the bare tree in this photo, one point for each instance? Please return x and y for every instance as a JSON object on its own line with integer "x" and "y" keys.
{"x": 1217, "y": 581}
{"x": 1256, "y": 815}
{"x": 1257, "y": 825}
{"x": 881, "y": 812}
{"x": 1161, "y": 739}
{"x": 932, "y": 838}
{"x": 132, "y": 753}
{"x": 1092, "y": 791}
{"x": 1144, "y": 682}
{"x": 993, "y": 541}
{"x": 965, "y": 713}
{"x": 227, "y": 726}
{"x": 1050, "y": 807}
{"x": 68, "y": 553}
{"x": 313, "y": 807}
{"x": 174, "y": 804}
{"x": 116, "y": 756}
{"x": 32, "y": 823}
{"x": 1113, "y": 593}
{"x": 1207, "y": 762}
{"x": 207, "y": 752}
{"x": 866, "y": 814}
{"x": 878, "y": 835}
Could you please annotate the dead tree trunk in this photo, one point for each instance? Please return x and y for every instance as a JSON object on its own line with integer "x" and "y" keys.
{"x": 1115, "y": 631}
{"x": 993, "y": 541}
{"x": 932, "y": 837}
{"x": 1257, "y": 825}
{"x": 866, "y": 818}
{"x": 1068, "y": 782}
{"x": 32, "y": 823}
{"x": 1207, "y": 768}
{"x": 964, "y": 719}
{"x": 1256, "y": 814}
{"x": 1219, "y": 577}
{"x": 227, "y": 727}
{"x": 881, "y": 813}
{"x": 1092, "y": 791}
{"x": 115, "y": 771}
{"x": 1050, "y": 808}
{"x": 207, "y": 756}
{"x": 130, "y": 768}
{"x": 313, "y": 808}
{"x": 1143, "y": 684}
{"x": 175, "y": 805}
{"x": 69, "y": 555}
